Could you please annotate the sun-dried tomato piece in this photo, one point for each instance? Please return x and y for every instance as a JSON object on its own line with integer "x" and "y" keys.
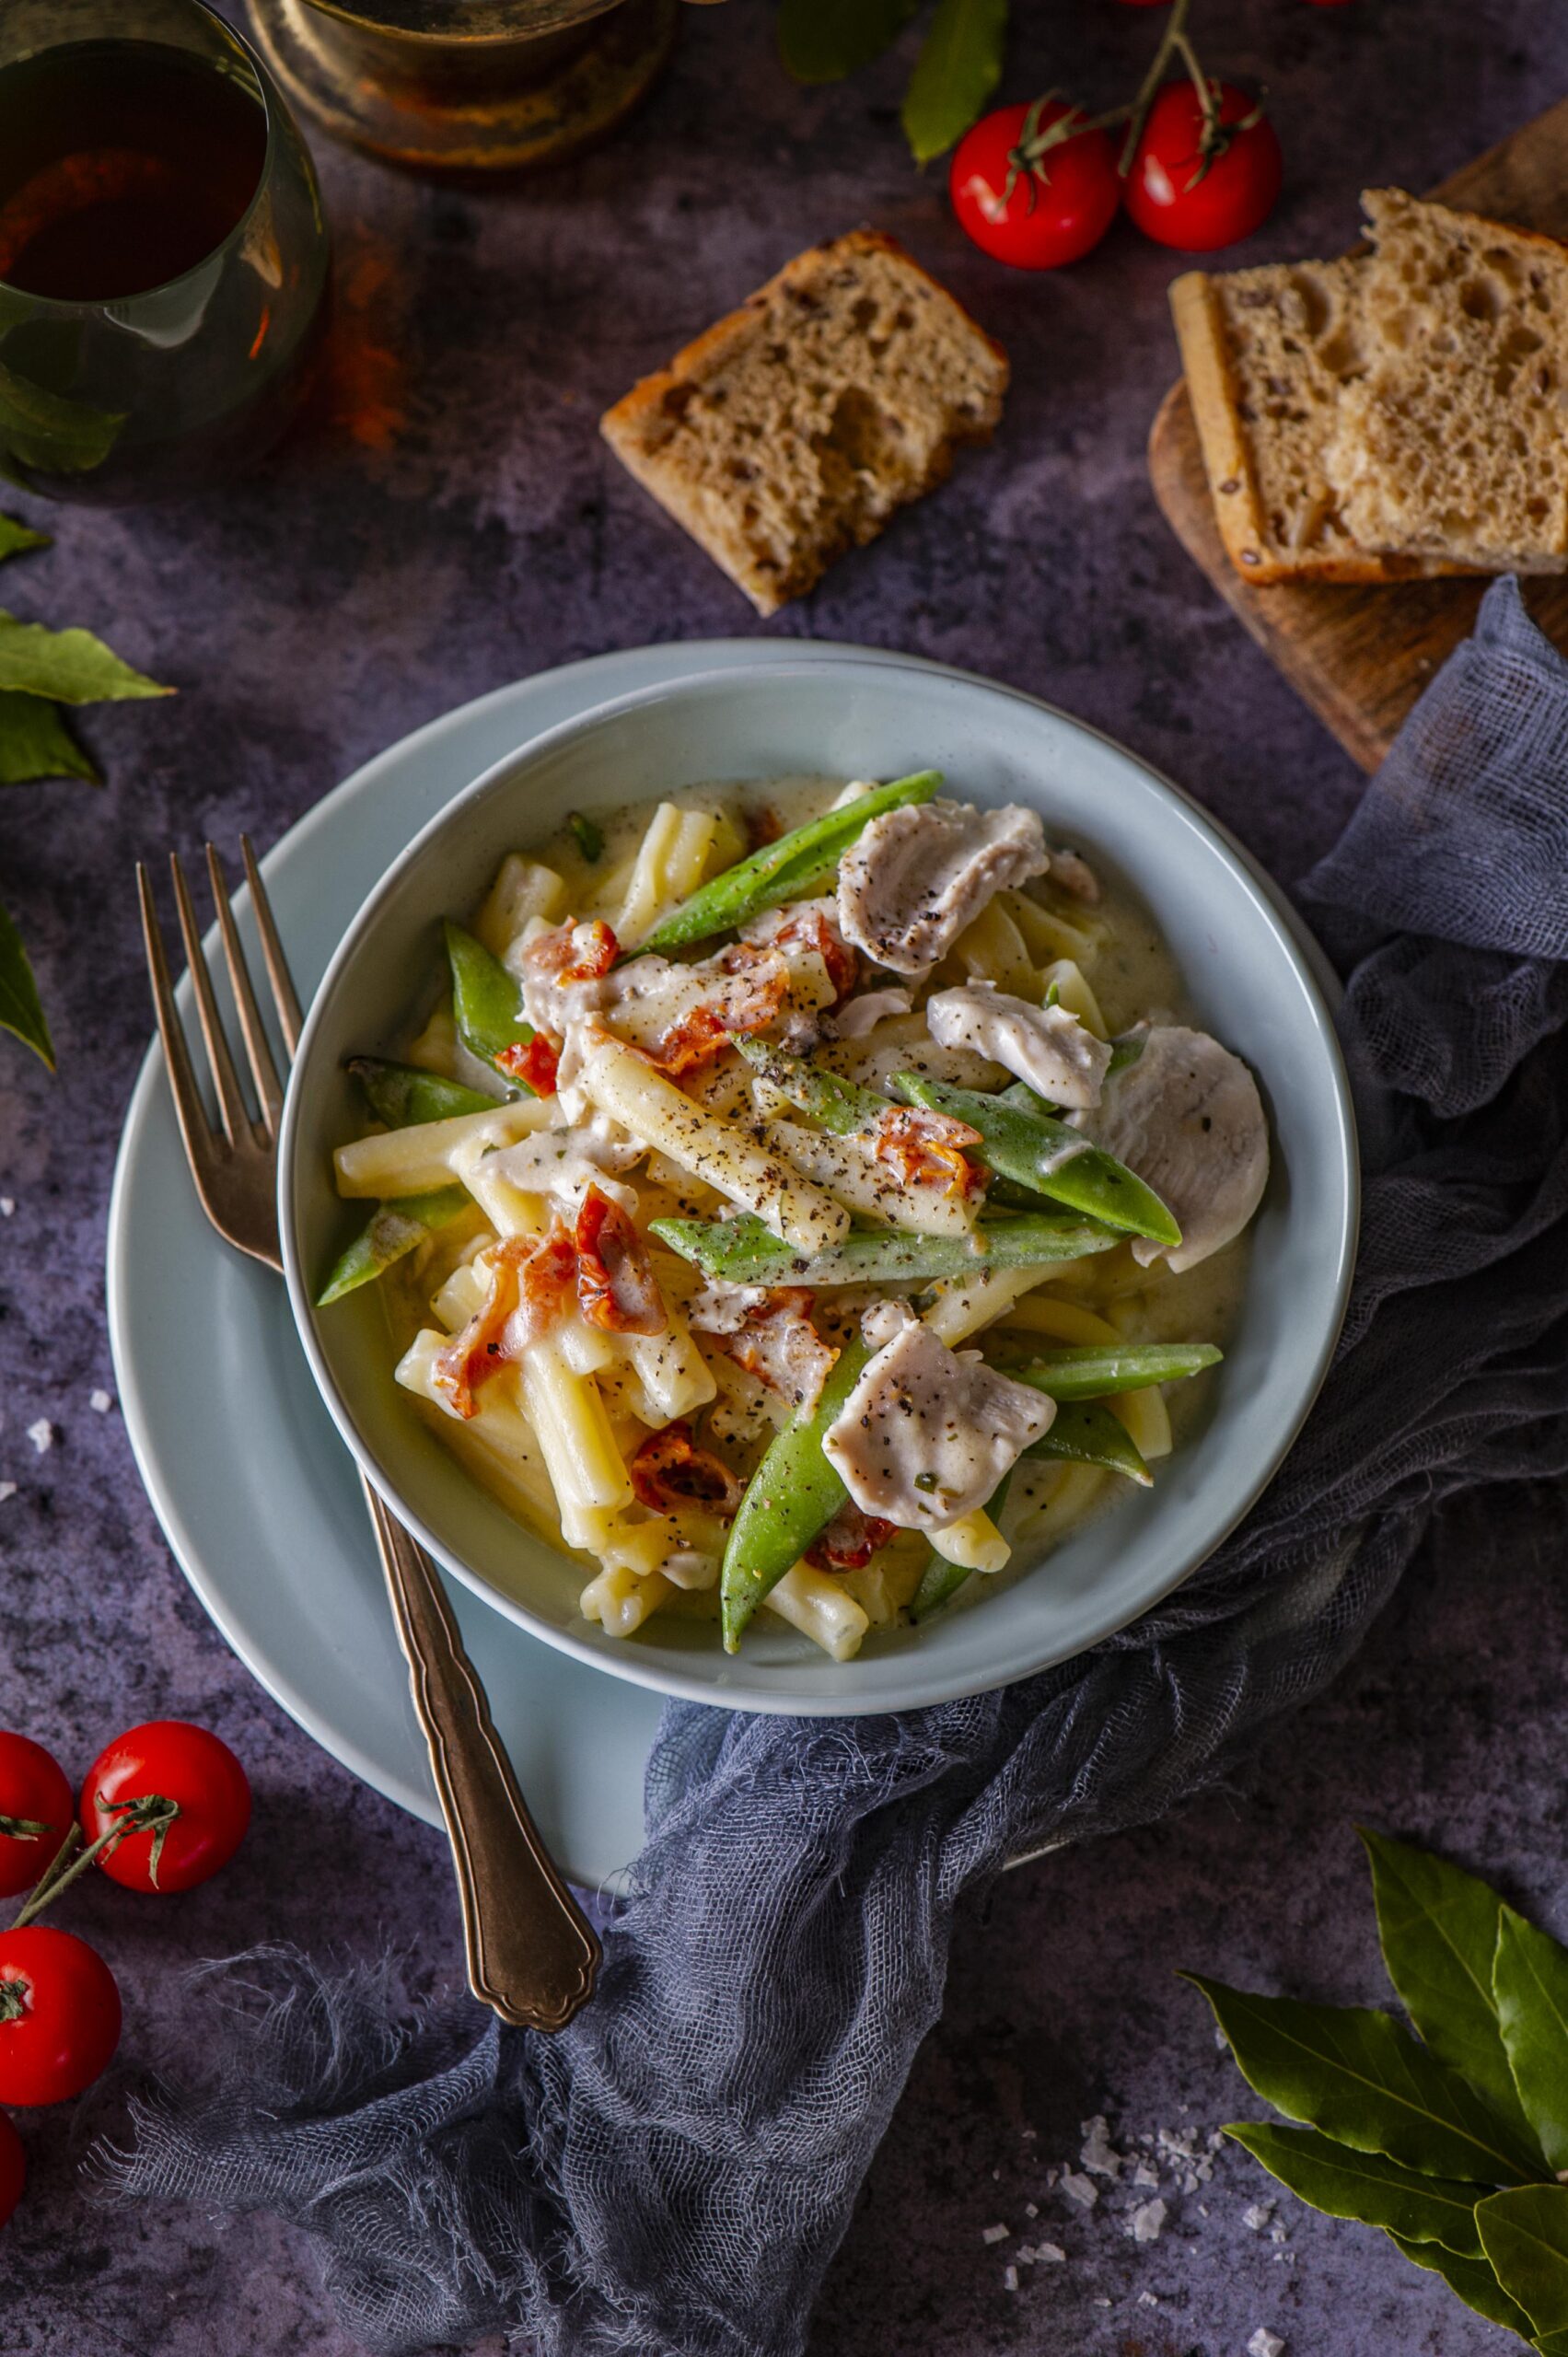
{"x": 670, "y": 1470}
{"x": 536, "y": 1065}
{"x": 616, "y": 1287}
{"x": 572, "y": 953}
{"x": 763, "y": 826}
{"x": 928, "y": 1149}
{"x": 530, "y": 1290}
{"x": 850, "y": 1540}
{"x": 809, "y": 927}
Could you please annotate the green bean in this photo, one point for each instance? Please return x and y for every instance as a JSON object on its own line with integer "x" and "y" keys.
{"x": 487, "y": 1001}
{"x": 841, "y": 1106}
{"x": 746, "y": 1252}
{"x": 1097, "y": 1370}
{"x": 790, "y": 1500}
{"x": 939, "y": 1583}
{"x": 1085, "y": 1432}
{"x": 1035, "y": 1150}
{"x": 588, "y": 838}
{"x": 402, "y": 1095}
{"x": 797, "y": 864}
{"x": 392, "y": 1230}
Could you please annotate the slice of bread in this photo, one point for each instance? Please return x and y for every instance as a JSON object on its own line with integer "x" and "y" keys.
{"x": 1454, "y": 441}
{"x": 794, "y": 429}
{"x": 1268, "y": 354}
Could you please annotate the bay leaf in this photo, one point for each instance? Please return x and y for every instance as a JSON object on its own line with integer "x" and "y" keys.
{"x": 1530, "y": 1980}
{"x": 68, "y": 665}
{"x": 1438, "y": 1930}
{"x": 1472, "y": 2280}
{"x": 35, "y": 742}
{"x": 1366, "y": 2083}
{"x": 21, "y": 1009}
{"x": 1366, "y": 2186}
{"x": 958, "y": 66}
{"x": 1525, "y": 2234}
{"x": 821, "y": 41}
{"x": 47, "y": 430}
{"x": 16, "y": 538}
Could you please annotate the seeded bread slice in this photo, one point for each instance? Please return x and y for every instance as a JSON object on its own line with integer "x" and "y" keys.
{"x": 795, "y": 428}
{"x": 1454, "y": 441}
{"x": 1268, "y": 354}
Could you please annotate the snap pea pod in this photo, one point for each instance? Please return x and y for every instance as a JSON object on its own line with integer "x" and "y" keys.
{"x": 487, "y": 1001}
{"x": 1096, "y": 1370}
{"x": 789, "y": 869}
{"x": 838, "y": 1105}
{"x": 746, "y": 1252}
{"x": 1036, "y": 1151}
{"x": 392, "y": 1230}
{"x": 790, "y": 1500}
{"x": 403, "y": 1097}
{"x": 1085, "y": 1432}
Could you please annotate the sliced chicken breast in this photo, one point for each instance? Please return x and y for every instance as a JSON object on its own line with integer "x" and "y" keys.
{"x": 917, "y": 877}
{"x": 1187, "y": 1116}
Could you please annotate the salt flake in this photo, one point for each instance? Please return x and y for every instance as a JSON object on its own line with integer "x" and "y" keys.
{"x": 7, "y": 1490}
{"x": 1049, "y": 2254}
{"x": 1098, "y": 2154}
{"x": 1146, "y": 2221}
{"x": 1009, "y": 2278}
{"x": 1149, "y": 2299}
{"x": 1031, "y": 2209}
{"x": 42, "y": 1434}
{"x": 7, "y": 1206}
{"x": 1081, "y": 2189}
{"x": 1144, "y": 2174}
{"x": 1264, "y": 2344}
{"x": 1258, "y": 2215}
{"x": 993, "y": 2234}
{"x": 100, "y": 1403}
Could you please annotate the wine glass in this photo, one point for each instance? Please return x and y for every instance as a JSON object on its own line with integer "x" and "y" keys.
{"x": 163, "y": 252}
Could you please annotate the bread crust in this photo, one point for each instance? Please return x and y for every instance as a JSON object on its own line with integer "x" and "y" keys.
{"x": 622, "y": 426}
{"x": 1211, "y": 385}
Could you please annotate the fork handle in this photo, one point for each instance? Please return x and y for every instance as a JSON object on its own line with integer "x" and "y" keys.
{"x": 532, "y": 1954}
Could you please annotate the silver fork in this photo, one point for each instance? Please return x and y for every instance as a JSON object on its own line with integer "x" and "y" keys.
{"x": 531, "y": 1953}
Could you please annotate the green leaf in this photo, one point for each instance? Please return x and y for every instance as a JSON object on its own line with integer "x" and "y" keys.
{"x": 1472, "y": 2280}
{"x": 1525, "y": 2234}
{"x": 956, "y": 71}
{"x": 71, "y": 665}
{"x": 35, "y": 742}
{"x": 1366, "y": 2186}
{"x": 1438, "y": 1930}
{"x": 21, "y": 1009}
{"x": 49, "y": 430}
{"x": 1529, "y": 1977}
{"x": 821, "y": 41}
{"x": 16, "y": 538}
{"x": 1366, "y": 2082}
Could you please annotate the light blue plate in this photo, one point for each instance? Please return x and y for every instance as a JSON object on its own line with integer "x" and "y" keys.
{"x": 256, "y": 1493}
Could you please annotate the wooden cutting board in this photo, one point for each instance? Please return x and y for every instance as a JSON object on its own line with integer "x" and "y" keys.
{"x": 1361, "y": 657}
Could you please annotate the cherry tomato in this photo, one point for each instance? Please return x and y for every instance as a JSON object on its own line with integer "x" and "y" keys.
{"x": 33, "y": 1791}
{"x": 59, "y": 2015}
{"x": 182, "y": 1763}
{"x": 1178, "y": 201}
{"x": 1056, "y": 211}
{"x": 13, "y": 2168}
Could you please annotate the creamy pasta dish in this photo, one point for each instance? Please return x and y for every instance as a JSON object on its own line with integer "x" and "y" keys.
{"x": 802, "y": 1197}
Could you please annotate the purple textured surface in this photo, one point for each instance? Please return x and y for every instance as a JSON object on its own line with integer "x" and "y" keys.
{"x": 444, "y": 520}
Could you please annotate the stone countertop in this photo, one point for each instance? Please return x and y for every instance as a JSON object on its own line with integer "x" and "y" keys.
{"x": 444, "y": 520}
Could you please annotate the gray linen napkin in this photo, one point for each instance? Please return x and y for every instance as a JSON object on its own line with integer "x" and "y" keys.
{"x": 673, "y": 2172}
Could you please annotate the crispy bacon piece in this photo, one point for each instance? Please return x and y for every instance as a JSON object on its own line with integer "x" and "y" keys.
{"x": 778, "y": 1345}
{"x": 573, "y": 953}
{"x": 616, "y": 1287}
{"x": 928, "y": 1149}
{"x": 750, "y": 987}
{"x": 529, "y": 1290}
{"x": 808, "y": 927}
{"x": 536, "y": 1065}
{"x": 668, "y": 1470}
{"x": 850, "y": 1540}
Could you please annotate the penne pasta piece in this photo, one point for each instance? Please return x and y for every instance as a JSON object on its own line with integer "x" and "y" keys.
{"x": 461, "y": 1299}
{"x": 670, "y": 864}
{"x": 1068, "y": 1322}
{"x": 964, "y": 1305}
{"x": 1073, "y": 992}
{"x": 1047, "y": 935}
{"x": 821, "y": 1608}
{"x": 523, "y": 891}
{"x": 620, "y": 1599}
{"x": 1145, "y": 1419}
{"x": 672, "y": 1375}
{"x": 973, "y": 1542}
{"x": 662, "y": 1116}
{"x": 415, "y": 1160}
{"x": 498, "y": 1433}
{"x": 511, "y": 1211}
{"x": 587, "y": 1469}
{"x": 992, "y": 949}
